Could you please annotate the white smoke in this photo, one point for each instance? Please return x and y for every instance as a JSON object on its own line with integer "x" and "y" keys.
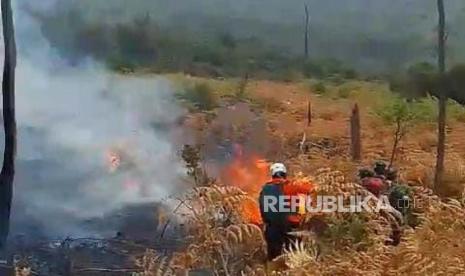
{"x": 68, "y": 118}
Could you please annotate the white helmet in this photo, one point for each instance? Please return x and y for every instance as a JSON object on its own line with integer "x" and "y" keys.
{"x": 278, "y": 168}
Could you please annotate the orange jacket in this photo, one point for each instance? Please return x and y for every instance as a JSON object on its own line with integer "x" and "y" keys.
{"x": 293, "y": 189}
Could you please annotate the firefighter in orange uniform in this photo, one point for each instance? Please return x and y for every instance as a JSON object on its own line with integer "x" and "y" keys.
{"x": 279, "y": 222}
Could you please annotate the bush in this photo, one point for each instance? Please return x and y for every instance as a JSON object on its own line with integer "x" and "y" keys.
{"x": 348, "y": 232}
{"x": 399, "y": 109}
{"x": 425, "y": 109}
{"x": 201, "y": 96}
{"x": 311, "y": 69}
{"x": 324, "y": 68}
{"x": 336, "y": 79}
{"x": 343, "y": 92}
{"x": 456, "y": 111}
{"x": 460, "y": 116}
{"x": 319, "y": 88}
{"x": 289, "y": 75}
{"x": 350, "y": 74}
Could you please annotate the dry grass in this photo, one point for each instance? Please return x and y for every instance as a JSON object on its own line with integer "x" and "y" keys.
{"x": 454, "y": 178}
{"x": 434, "y": 248}
{"x": 427, "y": 142}
{"x": 328, "y": 115}
{"x": 355, "y": 244}
{"x": 222, "y": 243}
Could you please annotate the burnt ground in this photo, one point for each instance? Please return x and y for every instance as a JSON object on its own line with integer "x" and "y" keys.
{"x": 135, "y": 229}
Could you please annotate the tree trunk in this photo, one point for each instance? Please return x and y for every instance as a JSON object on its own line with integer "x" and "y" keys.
{"x": 309, "y": 114}
{"x": 243, "y": 86}
{"x": 355, "y": 136}
{"x": 442, "y": 97}
{"x": 307, "y": 23}
{"x": 9, "y": 121}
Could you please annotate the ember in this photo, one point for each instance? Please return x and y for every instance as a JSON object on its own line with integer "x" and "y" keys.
{"x": 113, "y": 160}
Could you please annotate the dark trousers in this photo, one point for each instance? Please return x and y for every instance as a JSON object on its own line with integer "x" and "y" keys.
{"x": 277, "y": 238}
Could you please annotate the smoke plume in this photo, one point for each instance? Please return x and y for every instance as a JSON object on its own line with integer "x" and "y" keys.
{"x": 89, "y": 141}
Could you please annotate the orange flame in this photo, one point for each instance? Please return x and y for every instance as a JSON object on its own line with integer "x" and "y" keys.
{"x": 249, "y": 173}
{"x": 113, "y": 160}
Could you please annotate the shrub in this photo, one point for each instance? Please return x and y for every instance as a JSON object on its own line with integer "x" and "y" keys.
{"x": 193, "y": 161}
{"x": 201, "y": 96}
{"x": 336, "y": 79}
{"x": 456, "y": 111}
{"x": 350, "y": 74}
{"x": 289, "y": 75}
{"x": 343, "y": 92}
{"x": 319, "y": 88}
{"x": 460, "y": 117}
{"x": 350, "y": 231}
{"x": 312, "y": 70}
{"x": 400, "y": 114}
{"x": 425, "y": 109}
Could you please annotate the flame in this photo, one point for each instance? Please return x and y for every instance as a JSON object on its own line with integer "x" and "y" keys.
{"x": 116, "y": 160}
{"x": 113, "y": 160}
{"x": 249, "y": 172}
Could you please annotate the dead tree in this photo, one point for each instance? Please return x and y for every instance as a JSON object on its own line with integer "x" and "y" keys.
{"x": 355, "y": 136}
{"x": 307, "y": 23}
{"x": 9, "y": 121}
{"x": 309, "y": 114}
{"x": 302, "y": 144}
{"x": 442, "y": 96}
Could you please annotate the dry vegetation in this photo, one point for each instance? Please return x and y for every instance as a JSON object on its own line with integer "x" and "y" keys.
{"x": 340, "y": 244}
{"x": 221, "y": 240}
{"x": 352, "y": 243}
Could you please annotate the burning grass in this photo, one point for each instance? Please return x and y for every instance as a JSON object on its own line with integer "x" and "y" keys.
{"x": 223, "y": 243}
{"x": 333, "y": 244}
{"x": 222, "y": 223}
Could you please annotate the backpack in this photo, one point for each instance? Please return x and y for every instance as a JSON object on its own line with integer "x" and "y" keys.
{"x": 400, "y": 198}
{"x": 272, "y": 216}
{"x": 373, "y": 184}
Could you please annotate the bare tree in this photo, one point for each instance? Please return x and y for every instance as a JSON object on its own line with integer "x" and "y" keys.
{"x": 442, "y": 96}
{"x": 307, "y": 23}
{"x": 355, "y": 136}
{"x": 9, "y": 121}
{"x": 309, "y": 114}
